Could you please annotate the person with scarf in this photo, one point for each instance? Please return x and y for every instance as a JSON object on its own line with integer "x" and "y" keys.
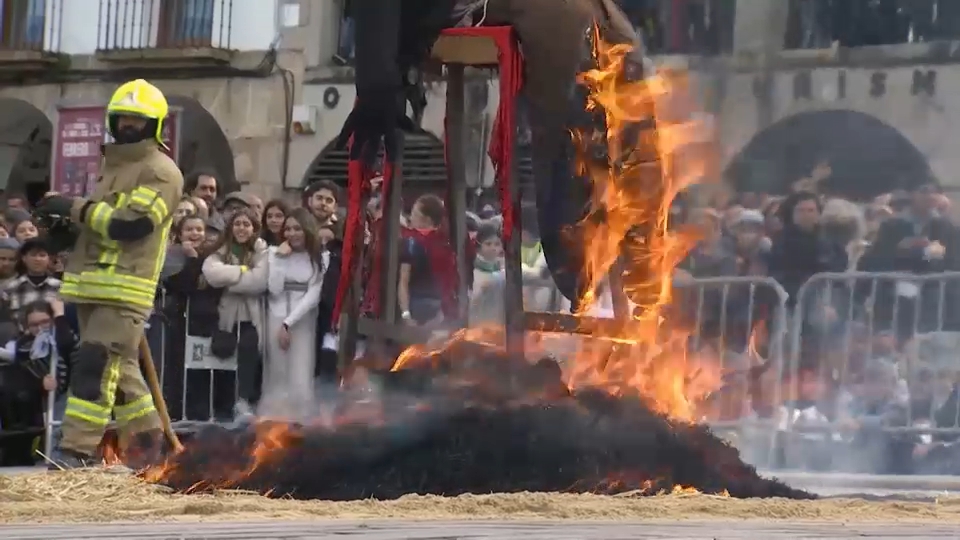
{"x": 427, "y": 290}
{"x": 27, "y": 376}
{"x": 238, "y": 265}
{"x": 488, "y": 264}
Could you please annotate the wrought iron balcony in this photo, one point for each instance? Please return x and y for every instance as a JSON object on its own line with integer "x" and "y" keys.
{"x": 141, "y": 30}
{"x": 29, "y": 32}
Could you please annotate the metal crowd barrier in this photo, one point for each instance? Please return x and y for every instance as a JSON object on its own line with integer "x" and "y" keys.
{"x": 822, "y": 346}
{"x": 876, "y": 353}
{"x": 742, "y": 322}
{"x": 194, "y": 358}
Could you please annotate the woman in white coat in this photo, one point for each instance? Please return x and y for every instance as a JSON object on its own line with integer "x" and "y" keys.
{"x": 238, "y": 265}
{"x": 294, "y": 283}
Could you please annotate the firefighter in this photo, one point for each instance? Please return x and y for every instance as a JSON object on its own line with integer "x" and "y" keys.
{"x": 112, "y": 275}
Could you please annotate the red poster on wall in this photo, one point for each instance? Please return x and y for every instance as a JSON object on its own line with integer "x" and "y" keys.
{"x": 77, "y": 148}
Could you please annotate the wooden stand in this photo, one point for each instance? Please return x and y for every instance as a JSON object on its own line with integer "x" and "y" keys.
{"x": 457, "y": 49}
{"x": 456, "y": 52}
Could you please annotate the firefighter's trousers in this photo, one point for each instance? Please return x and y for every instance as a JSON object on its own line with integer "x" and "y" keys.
{"x": 106, "y": 380}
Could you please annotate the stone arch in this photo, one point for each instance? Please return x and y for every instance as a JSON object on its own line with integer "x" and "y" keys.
{"x": 203, "y": 144}
{"x": 867, "y": 156}
{"x": 26, "y": 143}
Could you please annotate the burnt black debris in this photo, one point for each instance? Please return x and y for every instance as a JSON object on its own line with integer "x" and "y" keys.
{"x": 483, "y": 426}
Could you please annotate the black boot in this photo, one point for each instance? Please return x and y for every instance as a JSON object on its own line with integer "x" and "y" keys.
{"x": 145, "y": 449}
{"x": 66, "y": 459}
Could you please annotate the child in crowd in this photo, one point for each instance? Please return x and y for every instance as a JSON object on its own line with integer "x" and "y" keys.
{"x": 294, "y": 284}
{"x": 488, "y": 264}
{"x": 35, "y": 279}
{"x": 25, "y": 230}
{"x": 238, "y": 265}
{"x": 26, "y": 377}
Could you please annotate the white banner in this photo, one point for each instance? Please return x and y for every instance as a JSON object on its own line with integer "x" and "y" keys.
{"x": 197, "y": 356}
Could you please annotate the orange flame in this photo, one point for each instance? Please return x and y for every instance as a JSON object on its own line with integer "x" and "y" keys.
{"x": 633, "y": 189}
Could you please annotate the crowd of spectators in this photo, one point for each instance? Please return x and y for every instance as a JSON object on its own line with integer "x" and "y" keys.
{"x": 253, "y": 282}
{"x": 866, "y": 355}
{"x": 256, "y": 281}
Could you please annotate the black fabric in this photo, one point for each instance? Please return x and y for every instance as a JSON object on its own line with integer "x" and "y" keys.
{"x": 188, "y": 298}
{"x": 422, "y": 284}
{"x": 249, "y": 364}
{"x": 55, "y": 205}
{"x": 88, "y": 369}
{"x": 223, "y": 344}
{"x": 391, "y": 39}
{"x": 328, "y": 296}
{"x": 130, "y": 230}
{"x": 326, "y": 369}
{"x": 376, "y": 113}
{"x": 21, "y": 415}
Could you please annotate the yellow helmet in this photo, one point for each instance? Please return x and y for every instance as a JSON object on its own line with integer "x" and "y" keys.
{"x": 140, "y": 98}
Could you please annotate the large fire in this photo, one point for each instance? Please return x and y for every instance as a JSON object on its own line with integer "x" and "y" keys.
{"x": 647, "y": 125}
{"x": 633, "y": 191}
{"x": 646, "y": 361}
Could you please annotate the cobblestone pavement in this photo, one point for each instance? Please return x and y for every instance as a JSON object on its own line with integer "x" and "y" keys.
{"x": 480, "y": 530}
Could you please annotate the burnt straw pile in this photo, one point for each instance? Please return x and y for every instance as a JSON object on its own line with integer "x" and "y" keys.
{"x": 479, "y": 426}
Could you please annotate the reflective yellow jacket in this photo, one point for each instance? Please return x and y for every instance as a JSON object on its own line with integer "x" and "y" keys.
{"x": 136, "y": 180}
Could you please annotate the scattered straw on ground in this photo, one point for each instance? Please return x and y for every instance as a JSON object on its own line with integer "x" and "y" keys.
{"x": 95, "y": 496}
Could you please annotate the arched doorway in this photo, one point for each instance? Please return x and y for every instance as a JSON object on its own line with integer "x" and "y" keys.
{"x": 867, "y": 157}
{"x": 424, "y": 165}
{"x": 203, "y": 145}
{"x": 26, "y": 140}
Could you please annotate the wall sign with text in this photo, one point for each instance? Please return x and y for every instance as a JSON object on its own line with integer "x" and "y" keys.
{"x": 78, "y": 138}
{"x": 923, "y": 82}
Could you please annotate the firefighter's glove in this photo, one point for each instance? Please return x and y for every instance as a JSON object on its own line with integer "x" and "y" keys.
{"x": 55, "y": 207}
{"x": 374, "y": 121}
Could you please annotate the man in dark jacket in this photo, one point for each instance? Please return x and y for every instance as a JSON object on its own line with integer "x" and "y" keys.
{"x": 917, "y": 241}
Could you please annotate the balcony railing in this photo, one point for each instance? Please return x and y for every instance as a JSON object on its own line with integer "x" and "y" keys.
{"x": 31, "y": 26}
{"x": 138, "y": 25}
{"x": 696, "y": 27}
{"x": 818, "y": 24}
{"x": 345, "y": 48}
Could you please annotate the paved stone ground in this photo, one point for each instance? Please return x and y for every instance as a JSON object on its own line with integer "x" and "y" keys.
{"x": 480, "y": 530}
